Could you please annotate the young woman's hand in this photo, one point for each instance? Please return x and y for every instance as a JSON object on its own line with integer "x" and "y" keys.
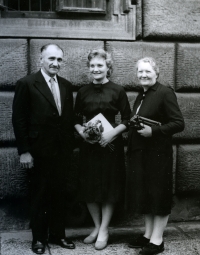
{"x": 108, "y": 137}
{"x": 83, "y": 135}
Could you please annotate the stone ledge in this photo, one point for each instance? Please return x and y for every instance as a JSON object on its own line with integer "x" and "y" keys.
{"x": 190, "y": 108}
{"x": 188, "y": 67}
{"x": 171, "y": 19}
{"x": 13, "y": 61}
{"x": 188, "y": 164}
{"x": 6, "y": 129}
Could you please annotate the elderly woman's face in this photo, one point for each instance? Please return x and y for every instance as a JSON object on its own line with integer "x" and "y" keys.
{"x": 98, "y": 68}
{"x": 146, "y": 74}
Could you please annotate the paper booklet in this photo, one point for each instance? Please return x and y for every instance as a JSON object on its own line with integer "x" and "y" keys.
{"x": 106, "y": 124}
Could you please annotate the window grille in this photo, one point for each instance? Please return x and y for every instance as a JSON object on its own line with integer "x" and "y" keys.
{"x": 30, "y": 5}
{"x": 50, "y": 5}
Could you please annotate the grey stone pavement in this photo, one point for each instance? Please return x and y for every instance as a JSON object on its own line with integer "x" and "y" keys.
{"x": 180, "y": 239}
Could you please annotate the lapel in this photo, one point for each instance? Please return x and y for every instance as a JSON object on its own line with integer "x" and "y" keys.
{"x": 43, "y": 88}
{"x": 149, "y": 100}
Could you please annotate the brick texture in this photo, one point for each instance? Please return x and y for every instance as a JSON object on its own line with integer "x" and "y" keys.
{"x": 126, "y": 54}
{"x": 188, "y": 67}
{"x": 6, "y": 130}
{"x": 190, "y": 107}
{"x": 13, "y": 179}
{"x": 74, "y": 66}
{"x": 178, "y": 19}
{"x": 13, "y": 61}
{"x": 188, "y": 164}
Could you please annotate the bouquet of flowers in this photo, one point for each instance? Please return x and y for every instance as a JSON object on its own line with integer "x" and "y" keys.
{"x": 94, "y": 129}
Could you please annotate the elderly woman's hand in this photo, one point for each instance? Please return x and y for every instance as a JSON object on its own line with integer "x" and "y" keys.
{"x": 146, "y": 131}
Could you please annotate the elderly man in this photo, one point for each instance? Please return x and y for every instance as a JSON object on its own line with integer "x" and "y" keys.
{"x": 43, "y": 126}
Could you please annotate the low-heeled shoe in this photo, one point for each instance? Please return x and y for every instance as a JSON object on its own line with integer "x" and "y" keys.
{"x": 64, "y": 243}
{"x": 151, "y": 249}
{"x": 100, "y": 245}
{"x": 38, "y": 247}
{"x": 90, "y": 239}
{"x": 139, "y": 242}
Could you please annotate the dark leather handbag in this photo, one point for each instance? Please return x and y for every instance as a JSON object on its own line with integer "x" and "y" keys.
{"x": 136, "y": 122}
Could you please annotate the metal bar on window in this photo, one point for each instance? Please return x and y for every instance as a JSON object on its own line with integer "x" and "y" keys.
{"x": 93, "y": 4}
{"x": 50, "y": 5}
{"x": 40, "y": 6}
{"x": 29, "y": 5}
{"x": 18, "y": 5}
{"x": 79, "y": 3}
{"x": 84, "y": 3}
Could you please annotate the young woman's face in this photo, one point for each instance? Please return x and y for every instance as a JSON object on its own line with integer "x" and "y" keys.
{"x": 98, "y": 68}
{"x": 146, "y": 74}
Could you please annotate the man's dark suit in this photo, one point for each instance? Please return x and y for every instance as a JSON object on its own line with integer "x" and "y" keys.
{"x": 48, "y": 137}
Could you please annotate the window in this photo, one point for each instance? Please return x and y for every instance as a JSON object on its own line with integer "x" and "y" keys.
{"x": 50, "y": 8}
{"x": 79, "y": 19}
{"x": 30, "y": 5}
{"x": 95, "y": 6}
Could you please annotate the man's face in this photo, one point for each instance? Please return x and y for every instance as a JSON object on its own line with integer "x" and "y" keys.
{"x": 51, "y": 60}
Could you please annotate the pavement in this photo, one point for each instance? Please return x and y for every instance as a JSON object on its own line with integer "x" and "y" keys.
{"x": 180, "y": 239}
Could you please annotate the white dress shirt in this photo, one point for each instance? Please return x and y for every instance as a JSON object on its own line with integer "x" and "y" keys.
{"x": 47, "y": 79}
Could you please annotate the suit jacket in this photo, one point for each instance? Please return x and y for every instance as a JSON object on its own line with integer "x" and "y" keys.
{"x": 160, "y": 104}
{"x": 37, "y": 125}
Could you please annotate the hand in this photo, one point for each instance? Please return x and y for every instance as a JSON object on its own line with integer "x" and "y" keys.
{"x": 146, "y": 131}
{"x": 26, "y": 160}
{"x": 83, "y": 135}
{"x": 108, "y": 137}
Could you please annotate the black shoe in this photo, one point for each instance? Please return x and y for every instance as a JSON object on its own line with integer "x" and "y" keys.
{"x": 139, "y": 242}
{"x": 64, "y": 243}
{"x": 38, "y": 247}
{"x": 151, "y": 249}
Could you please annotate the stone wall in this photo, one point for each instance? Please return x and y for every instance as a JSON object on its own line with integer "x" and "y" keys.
{"x": 169, "y": 31}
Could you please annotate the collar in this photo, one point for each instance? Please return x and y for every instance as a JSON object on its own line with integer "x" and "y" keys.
{"x": 99, "y": 86}
{"x": 47, "y": 77}
{"x": 154, "y": 87}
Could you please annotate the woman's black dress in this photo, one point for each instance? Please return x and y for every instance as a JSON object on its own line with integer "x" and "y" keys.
{"x": 149, "y": 175}
{"x": 102, "y": 171}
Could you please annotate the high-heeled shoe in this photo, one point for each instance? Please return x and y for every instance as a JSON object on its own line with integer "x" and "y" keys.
{"x": 90, "y": 239}
{"x": 100, "y": 245}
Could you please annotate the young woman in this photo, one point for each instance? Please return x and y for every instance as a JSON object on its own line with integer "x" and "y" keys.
{"x": 102, "y": 171}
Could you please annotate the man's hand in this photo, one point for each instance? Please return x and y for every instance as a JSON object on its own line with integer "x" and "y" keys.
{"x": 26, "y": 160}
{"x": 146, "y": 131}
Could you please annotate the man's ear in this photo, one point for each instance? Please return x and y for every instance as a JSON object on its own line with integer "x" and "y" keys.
{"x": 41, "y": 59}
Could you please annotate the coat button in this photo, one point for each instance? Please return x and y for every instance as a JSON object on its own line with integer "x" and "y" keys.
{"x": 54, "y": 114}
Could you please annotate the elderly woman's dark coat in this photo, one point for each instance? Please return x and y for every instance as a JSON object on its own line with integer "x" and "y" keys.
{"x": 149, "y": 178}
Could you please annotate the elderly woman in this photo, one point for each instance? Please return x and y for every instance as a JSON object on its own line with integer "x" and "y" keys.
{"x": 149, "y": 182}
{"x": 102, "y": 170}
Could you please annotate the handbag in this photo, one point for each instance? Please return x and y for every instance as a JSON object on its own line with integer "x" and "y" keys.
{"x": 137, "y": 120}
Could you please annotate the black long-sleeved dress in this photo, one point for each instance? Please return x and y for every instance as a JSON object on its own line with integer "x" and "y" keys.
{"x": 149, "y": 171}
{"x": 102, "y": 171}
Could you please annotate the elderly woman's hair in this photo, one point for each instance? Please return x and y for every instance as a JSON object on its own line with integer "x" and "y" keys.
{"x": 102, "y": 54}
{"x": 151, "y": 61}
